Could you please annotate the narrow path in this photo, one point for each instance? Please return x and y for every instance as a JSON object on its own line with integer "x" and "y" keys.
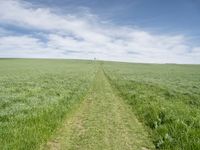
{"x": 103, "y": 122}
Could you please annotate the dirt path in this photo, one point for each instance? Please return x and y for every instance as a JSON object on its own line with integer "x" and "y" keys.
{"x": 103, "y": 122}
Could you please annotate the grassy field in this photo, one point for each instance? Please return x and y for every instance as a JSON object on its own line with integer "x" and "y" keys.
{"x": 102, "y": 122}
{"x": 74, "y": 104}
{"x": 166, "y": 98}
{"x": 35, "y": 96}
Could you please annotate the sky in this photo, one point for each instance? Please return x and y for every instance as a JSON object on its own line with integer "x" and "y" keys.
{"x": 118, "y": 30}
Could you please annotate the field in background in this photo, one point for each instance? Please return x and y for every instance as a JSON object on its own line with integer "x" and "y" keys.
{"x": 166, "y": 98}
{"x": 36, "y": 95}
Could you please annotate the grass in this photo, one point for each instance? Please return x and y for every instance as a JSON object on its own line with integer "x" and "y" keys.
{"x": 103, "y": 121}
{"x": 80, "y": 104}
{"x": 35, "y": 96}
{"x": 166, "y": 98}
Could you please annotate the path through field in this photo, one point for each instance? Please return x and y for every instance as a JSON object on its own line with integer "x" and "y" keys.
{"x": 102, "y": 122}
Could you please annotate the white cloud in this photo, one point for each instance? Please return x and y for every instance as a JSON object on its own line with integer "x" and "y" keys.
{"x": 72, "y": 36}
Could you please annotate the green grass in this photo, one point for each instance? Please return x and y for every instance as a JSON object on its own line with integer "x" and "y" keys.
{"x": 35, "y": 96}
{"x": 166, "y": 98}
{"x": 102, "y": 122}
{"x": 40, "y": 96}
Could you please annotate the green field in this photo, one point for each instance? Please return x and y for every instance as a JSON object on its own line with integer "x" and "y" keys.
{"x": 36, "y": 95}
{"x": 166, "y": 98}
{"x": 74, "y": 104}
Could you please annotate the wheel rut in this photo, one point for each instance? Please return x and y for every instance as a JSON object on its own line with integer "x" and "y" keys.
{"x": 102, "y": 122}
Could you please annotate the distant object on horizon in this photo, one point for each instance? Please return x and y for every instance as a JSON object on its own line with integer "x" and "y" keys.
{"x": 171, "y": 63}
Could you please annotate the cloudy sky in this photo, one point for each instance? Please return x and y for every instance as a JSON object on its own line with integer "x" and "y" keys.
{"x": 121, "y": 30}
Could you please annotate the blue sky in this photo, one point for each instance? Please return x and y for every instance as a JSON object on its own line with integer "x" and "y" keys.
{"x": 122, "y": 30}
{"x": 174, "y": 15}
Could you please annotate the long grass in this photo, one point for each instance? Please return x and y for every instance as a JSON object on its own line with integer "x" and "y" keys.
{"x": 166, "y": 99}
{"x": 35, "y": 96}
